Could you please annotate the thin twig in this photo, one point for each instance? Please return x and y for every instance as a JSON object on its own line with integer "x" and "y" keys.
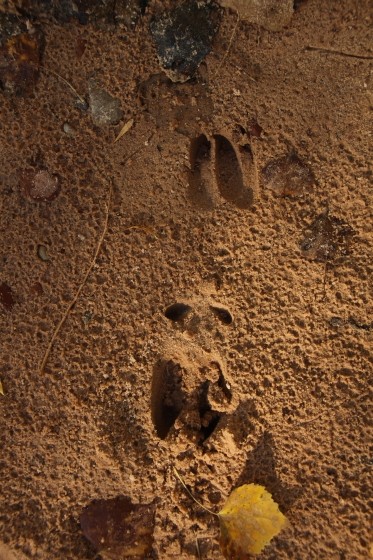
{"x": 191, "y": 495}
{"x": 310, "y": 420}
{"x": 229, "y": 44}
{"x": 79, "y": 290}
{"x": 146, "y": 229}
{"x": 198, "y": 549}
{"x": 336, "y": 51}
{"x": 98, "y": 248}
{"x": 81, "y": 99}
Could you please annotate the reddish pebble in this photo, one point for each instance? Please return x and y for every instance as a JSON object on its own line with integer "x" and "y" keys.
{"x": 40, "y": 184}
{"x": 6, "y": 296}
{"x": 36, "y": 289}
{"x": 255, "y": 130}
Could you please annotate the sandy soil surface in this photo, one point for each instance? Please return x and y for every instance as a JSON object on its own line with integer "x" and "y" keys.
{"x": 245, "y": 196}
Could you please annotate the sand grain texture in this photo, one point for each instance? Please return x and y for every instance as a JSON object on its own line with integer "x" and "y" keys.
{"x": 272, "y": 389}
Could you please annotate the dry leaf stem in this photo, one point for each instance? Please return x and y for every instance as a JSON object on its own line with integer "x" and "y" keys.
{"x": 191, "y": 495}
{"x": 336, "y": 51}
{"x": 79, "y": 290}
{"x": 94, "y": 259}
{"x": 81, "y": 99}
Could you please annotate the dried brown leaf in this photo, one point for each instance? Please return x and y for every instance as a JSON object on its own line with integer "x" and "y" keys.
{"x": 327, "y": 239}
{"x": 119, "y": 529}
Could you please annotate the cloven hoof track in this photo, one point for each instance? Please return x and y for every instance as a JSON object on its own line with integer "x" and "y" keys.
{"x": 191, "y": 401}
{"x": 220, "y": 173}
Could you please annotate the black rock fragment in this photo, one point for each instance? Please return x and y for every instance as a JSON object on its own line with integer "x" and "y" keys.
{"x": 97, "y": 12}
{"x": 183, "y": 36}
{"x": 128, "y": 12}
{"x": 63, "y": 11}
{"x": 11, "y": 24}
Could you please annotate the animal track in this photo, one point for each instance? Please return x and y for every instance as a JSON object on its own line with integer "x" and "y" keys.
{"x": 168, "y": 397}
{"x": 190, "y": 389}
{"x": 177, "y": 311}
{"x": 222, "y": 314}
{"x": 201, "y": 181}
{"x": 229, "y": 174}
{"x": 221, "y": 173}
{"x": 189, "y": 397}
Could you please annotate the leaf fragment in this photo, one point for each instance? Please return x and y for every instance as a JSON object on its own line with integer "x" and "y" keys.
{"x": 125, "y": 128}
{"x": 327, "y": 239}
{"x": 119, "y": 529}
{"x": 249, "y": 519}
{"x": 1, "y": 389}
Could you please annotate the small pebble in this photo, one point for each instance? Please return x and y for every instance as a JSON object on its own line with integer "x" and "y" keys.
{"x": 336, "y": 322}
{"x": 42, "y": 253}
{"x": 68, "y": 129}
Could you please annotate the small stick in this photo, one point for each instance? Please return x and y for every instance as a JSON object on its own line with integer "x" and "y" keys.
{"x": 98, "y": 248}
{"x": 198, "y": 549}
{"x": 79, "y": 290}
{"x": 191, "y": 495}
{"x": 81, "y": 99}
{"x": 336, "y": 51}
{"x": 229, "y": 44}
{"x": 310, "y": 420}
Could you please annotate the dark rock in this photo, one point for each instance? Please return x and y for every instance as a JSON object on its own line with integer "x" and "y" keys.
{"x": 97, "y": 12}
{"x": 64, "y": 11}
{"x": 20, "y": 55}
{"x": 183, "y": 36}
{"x": 128, "y": 12}
{"x": 336, "y": 322}
{"x": 10, "y": 25}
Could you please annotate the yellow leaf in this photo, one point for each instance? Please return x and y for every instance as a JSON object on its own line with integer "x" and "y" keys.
{"x": 1, "y": 389}
{"x": 248, "y": 521}
{"x": 124, "y": 129}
